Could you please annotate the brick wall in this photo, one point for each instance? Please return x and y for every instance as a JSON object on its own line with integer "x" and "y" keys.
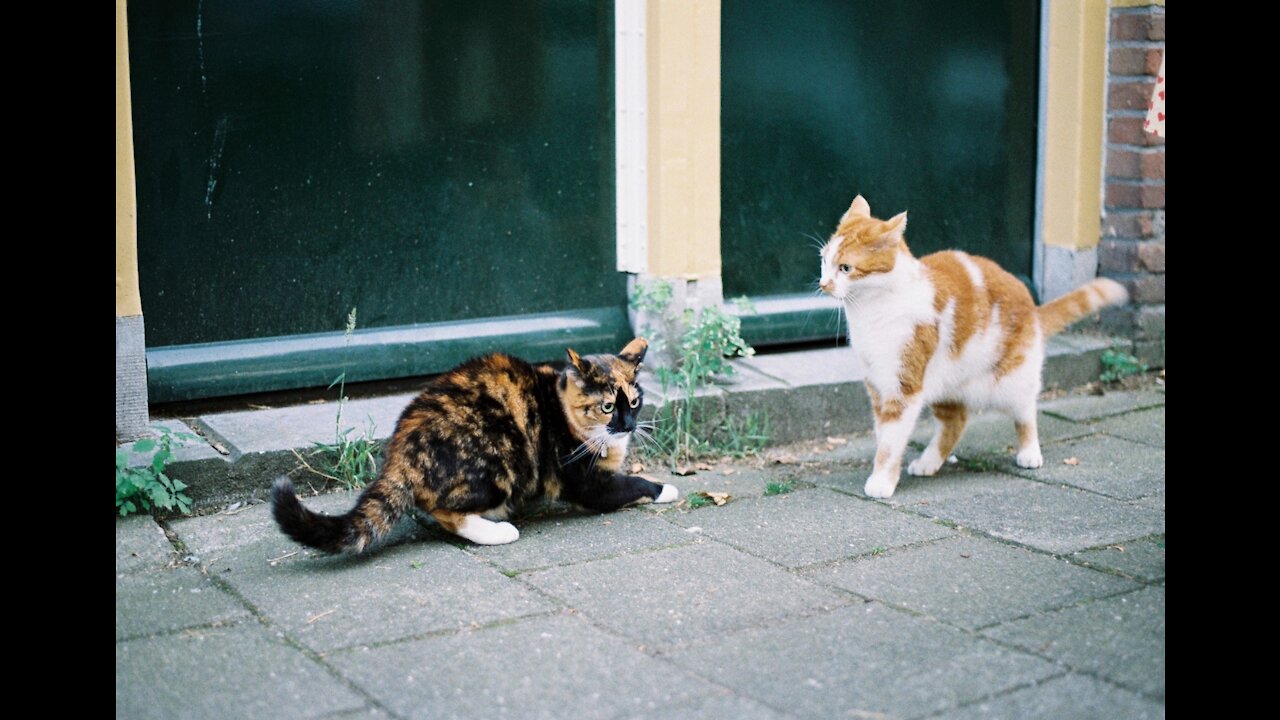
{"x": 1132, "y": 244}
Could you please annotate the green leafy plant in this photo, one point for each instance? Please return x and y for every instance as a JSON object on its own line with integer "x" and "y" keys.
{"x": 878, "y": 550}
{"x": 351, "y": 459}
{"x": 707, "y": 343}
{"x": 779, "y": 488}
{"x": 1117, "y": 365}
{"x": 697, "y": 500}
{"x": 148, "y": 487}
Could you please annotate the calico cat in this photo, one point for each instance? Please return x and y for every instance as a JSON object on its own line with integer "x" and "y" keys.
{"x": 949, "y": 330}
{"x": 487, "y": 436}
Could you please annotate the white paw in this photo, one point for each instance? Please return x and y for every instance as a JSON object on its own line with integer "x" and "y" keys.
{"x": 1030, "y": 458}
{"x": 925, "y": 465}
{"x": 880, "y": 487}
{"x": 669, "y": 494}
{"x": 486, "y": 532}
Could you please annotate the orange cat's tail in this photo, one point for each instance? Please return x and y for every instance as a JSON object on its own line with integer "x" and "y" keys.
{"x": 1056, "y": 315}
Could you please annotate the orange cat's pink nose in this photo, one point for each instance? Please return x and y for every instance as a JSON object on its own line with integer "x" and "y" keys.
{"x": 828, "y": 286}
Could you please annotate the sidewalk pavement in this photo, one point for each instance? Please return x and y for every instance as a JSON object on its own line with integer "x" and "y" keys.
{"x": 988, "y": 591}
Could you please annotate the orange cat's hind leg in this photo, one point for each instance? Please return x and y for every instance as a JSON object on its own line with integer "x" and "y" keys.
{"x": 1028, "y": 438}
{"x": 951, "y": 418}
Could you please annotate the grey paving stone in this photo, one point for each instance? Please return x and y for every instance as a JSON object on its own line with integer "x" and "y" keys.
{"x": 569, "y": 538}
{"x": 827, "y": 366}
{"x": 682, "y": 594}
{"x": 1144, "y": 426}
{"x": 747, "y": 378}
{"x": 861, "y": 660}
{"x": 194, "y": 462}
{"x": 1155, "y": 502}
{"x": 280, "y": 429}
{"x": 807, "y": 393}
{"x": 400, "y": 592}
{"x": 1142, "y": 559}
{"x": 848, "y": 479}
{"x": 1081, "y": 408}
{"x": 185, "y": 449}
{"x": 422, "y": 584}
{"x": 1110, "y": 466}
{"x": 986, "y": 434}
{"x": 209, "y": 536}
{"x": 1073, "y": 697}
{"x": 1046, "y": 517}
{"x": 170, "y": 600}
{"x": 952, "y": 481}
{"x": 231, "y": 672}
{"x": 1120, "y": 638}
{"x": 848, "y": 449}
{"x": 549, "y": 667}
{"x": 994, "y": 434}
{"x": 743, "y": 482}
{"x": 724, "y": 706}
{"x": 809, "y": 526}
{"x": 364, "y": 713}
{"x": 141, "y": 545}
{"x": 969, "y": 582}
{"x": 807, "y": 411}
{"x": 1072, "y": 359}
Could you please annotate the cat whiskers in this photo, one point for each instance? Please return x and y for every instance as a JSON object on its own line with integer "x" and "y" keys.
{"x": 643, "y": 432}
{"x": 818, "y": 242}
{"x": 594, "y": 445}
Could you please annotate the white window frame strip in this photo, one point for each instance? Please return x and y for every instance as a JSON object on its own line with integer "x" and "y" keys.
{"x": 631, "y": 139}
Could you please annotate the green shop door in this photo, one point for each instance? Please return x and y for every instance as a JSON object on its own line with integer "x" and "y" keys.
{"x": 445, "y": 167}
{"x": 920, "y": 106}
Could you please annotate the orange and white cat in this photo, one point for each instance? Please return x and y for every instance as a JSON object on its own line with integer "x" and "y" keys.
{"x": 950, "y": 330}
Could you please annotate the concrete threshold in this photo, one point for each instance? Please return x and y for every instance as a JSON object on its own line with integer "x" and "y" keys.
{"x": 805, "y": 394}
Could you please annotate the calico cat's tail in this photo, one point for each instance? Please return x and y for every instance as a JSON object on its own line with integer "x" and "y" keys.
{"x": 1056, "y": 315}
{"x": 374, "y": 515}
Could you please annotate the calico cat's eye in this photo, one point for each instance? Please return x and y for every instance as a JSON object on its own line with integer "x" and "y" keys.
{"x": 635, "y": 401}
{"x": 845, "y": 268}
{"x": 606, "y": 407}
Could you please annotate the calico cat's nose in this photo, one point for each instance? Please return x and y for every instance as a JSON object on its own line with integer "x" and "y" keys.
{"x": 624, "y": 418}
{"x": 828, "y": 286}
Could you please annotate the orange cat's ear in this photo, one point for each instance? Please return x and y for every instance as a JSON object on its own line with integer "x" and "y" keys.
{"x": 897, "y": 224}
{"x": 890, "y": 232}
{"x": 859, "y": 208}
{"x": 634, "y": 352}
{"x": 581, "y": 365}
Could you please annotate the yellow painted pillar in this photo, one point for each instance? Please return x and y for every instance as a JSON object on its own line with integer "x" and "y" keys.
{"x": 1074, "y": 123}
{"x": 131, "y": 365}
{"x": 668, "y": 153}
{"x": 1074, "y": 119}
{"x": 128, "y": 302}
{"x": 683, "y": 49}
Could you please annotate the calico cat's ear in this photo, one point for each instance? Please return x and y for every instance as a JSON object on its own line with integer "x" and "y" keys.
{"x": 580, "y": 364}
{"x": 634, "y": 352}
{"x": 859, "y": 208}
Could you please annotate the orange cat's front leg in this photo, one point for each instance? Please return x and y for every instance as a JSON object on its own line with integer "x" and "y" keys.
{"x": 895, "y": 419}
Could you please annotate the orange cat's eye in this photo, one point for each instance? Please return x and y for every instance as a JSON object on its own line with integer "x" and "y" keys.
{"x": 635, "y": 401}
{"x": 606, "y": 407}
{"x": 845, "y": 268}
